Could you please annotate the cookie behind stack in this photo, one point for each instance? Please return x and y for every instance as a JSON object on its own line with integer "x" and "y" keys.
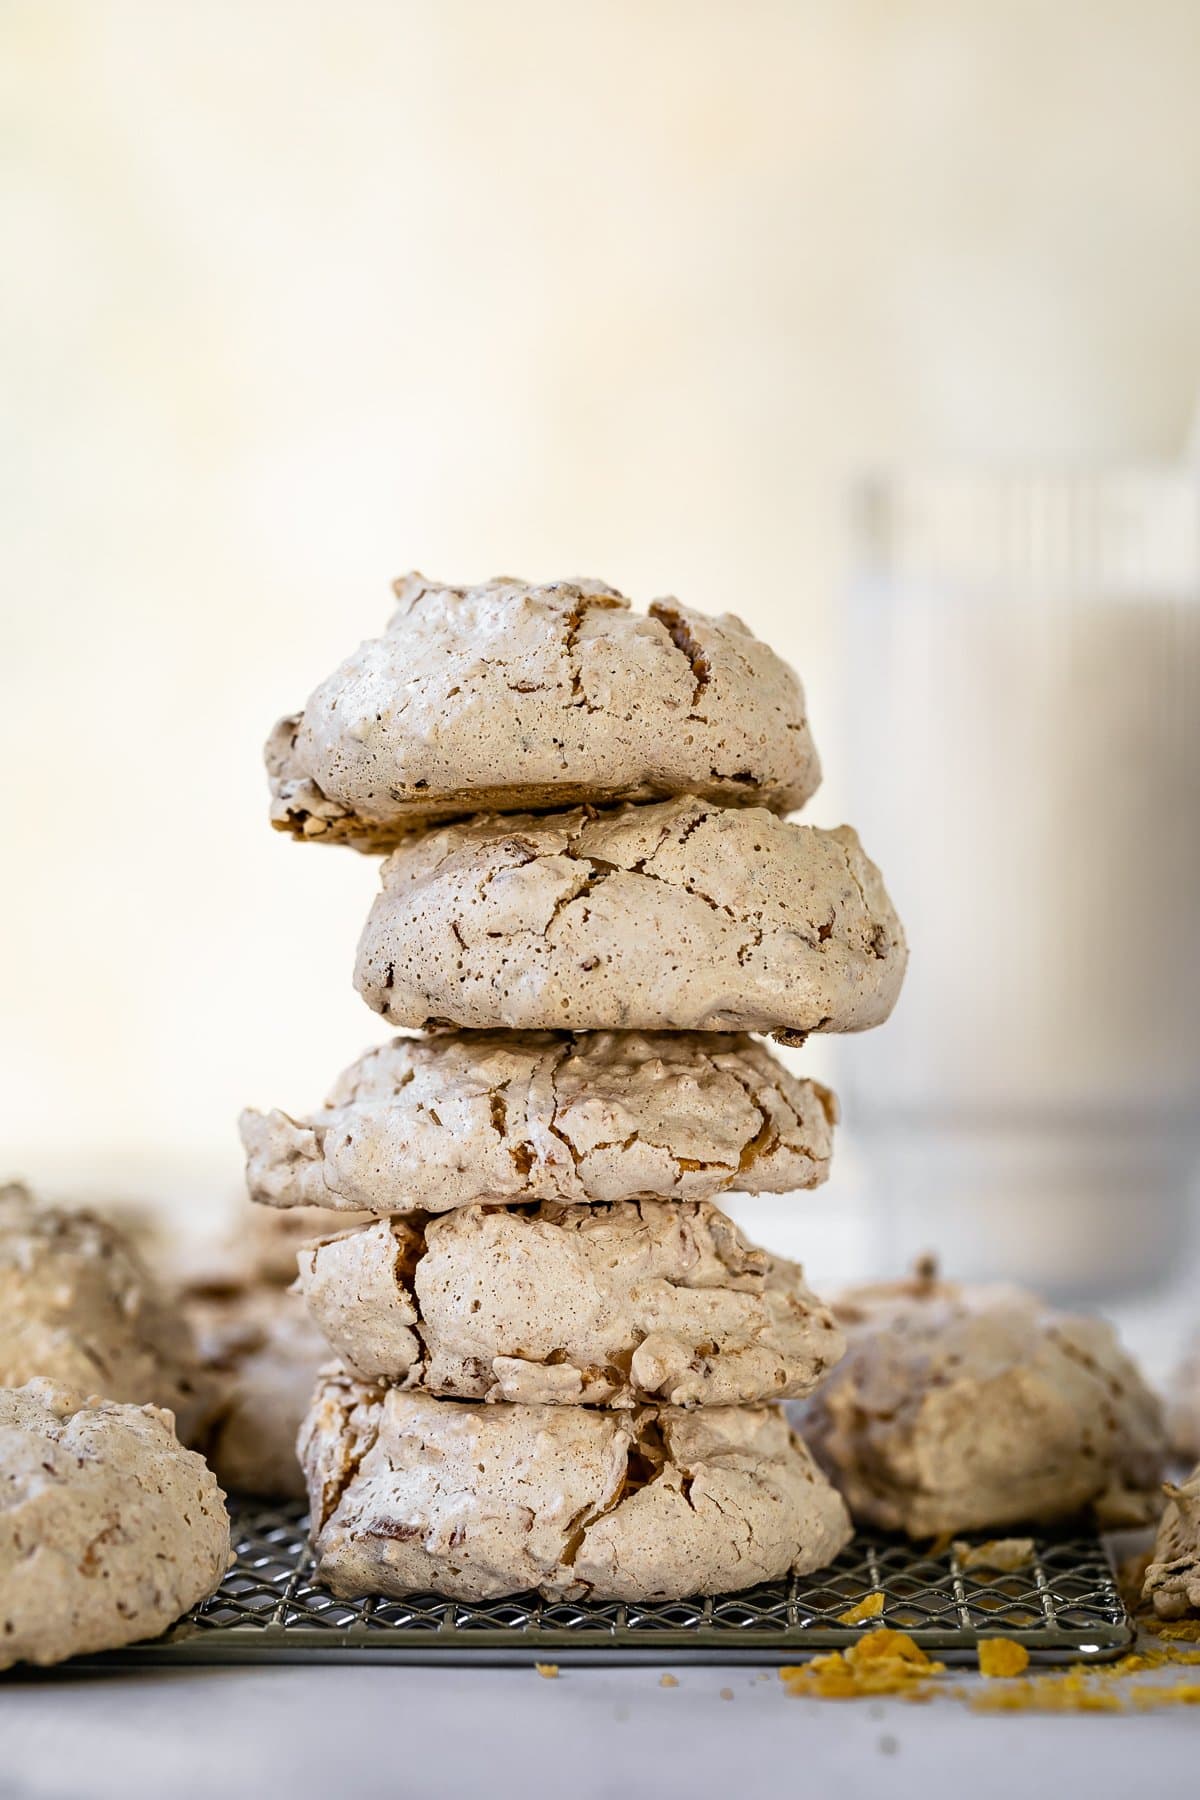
{"x": 561, "y": 1364}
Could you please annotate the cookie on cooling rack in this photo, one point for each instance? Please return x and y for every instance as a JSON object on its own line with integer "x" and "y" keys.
{"x": 78, "y": 1306}
{"x": 109, "y": 1528}
{"x": 412, "y": 1494}
{"x": 961, "y": 1409}
{"x": 680, "y": 916}
{"x": 1173, "y": 1576}
{"x": 262, "y": 1352}
{"x": 604, "y": 1305}
{"x": 433, "y": 1123}
{"x": 509, "y": 697}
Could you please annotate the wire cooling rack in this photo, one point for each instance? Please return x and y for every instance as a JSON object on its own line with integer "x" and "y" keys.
{"x": 1063, "y": 1605}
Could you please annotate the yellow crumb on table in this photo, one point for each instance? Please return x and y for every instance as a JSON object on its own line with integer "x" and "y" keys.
{"x": 1180, "y": 1631}
{"x": 1177, "y": 1693}
{"x": 1002, "y": 1657}
{"x": 1046, "y": 1693}
{"x": 870, "y": 1608}
{"x": 549, "y": 1671}
{"x": 668, "y": 1681}
{"x": 1131, "y": 1664}
{"x": 1090, "y": 1687}
{"x": 882, "y": 1662}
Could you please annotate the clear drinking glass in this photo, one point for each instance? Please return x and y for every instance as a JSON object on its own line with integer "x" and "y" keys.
{"x": 1022, "y": 702}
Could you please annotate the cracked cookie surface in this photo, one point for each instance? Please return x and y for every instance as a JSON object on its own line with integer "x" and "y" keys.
{"x": 78, "y": 1306}
{"x": 109, "y": 1528}
{"x": 961, "y": 1409}
{"x": 677, "y": 916}
{"x": 426, "y": 1124}
{"x": 1173, "y": 1576}
{"x": 510, "y": 697}
{"x": 600, "y": 1305}
{"x": 413, "y": 1494}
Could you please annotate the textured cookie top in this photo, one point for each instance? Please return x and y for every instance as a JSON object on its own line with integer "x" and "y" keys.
{"x": 509, "y": 697}
{"x": 680, "y": 916}
{"x": 425, "y": 1124}
{"x": 109, "y": 1528}
{"x": 409, "y": 1493}
{"x": 1173, "y": 1576}
{"x": 601, "y": 1305}
{"x": 78, "y": 1306}
{"x": 958, "y": 1409}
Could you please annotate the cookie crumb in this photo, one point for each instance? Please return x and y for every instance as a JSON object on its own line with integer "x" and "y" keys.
{"x": 869, "y": 1608}
{"x": 1186, "y": 1631}
{"x": 1003, "y": 1555}
{"x": 1002, "y": 1657}
{"x": 882, "y": 1662}
{"x": 1047, "y": 1693}
{"x": 548, "y": 1671}
{"x": 1179, "y": 1693}
{"x": 667, "y": 1681}
{"x": 727, "y": 1693}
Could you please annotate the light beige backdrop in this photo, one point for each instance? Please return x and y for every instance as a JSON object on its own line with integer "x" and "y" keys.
{"x": 296, "y": 296}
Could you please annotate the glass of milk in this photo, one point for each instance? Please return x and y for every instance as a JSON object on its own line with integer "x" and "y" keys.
{"x": 1022, "y": 705}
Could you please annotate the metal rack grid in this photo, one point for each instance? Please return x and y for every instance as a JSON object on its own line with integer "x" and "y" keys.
{"x": 1063, "y": 1606}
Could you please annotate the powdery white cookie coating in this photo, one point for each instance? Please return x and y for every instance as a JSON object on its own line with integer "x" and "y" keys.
{"x": 109, "y": 1528}
{"x": 263, "y": 1352}
{"x": 964, "y": 1409}
{"x": 1173, "y": 1576}
{"x": 412, "y": 1494}
{"x": 431, "y": 1123}
{"x": 78, "y": 1306}
{"x": 602, "y": 1305}
{"x": 509, "y": 697}
{"x": 680, "y": 916}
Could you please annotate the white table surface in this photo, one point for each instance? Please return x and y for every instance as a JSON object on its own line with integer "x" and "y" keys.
{"x": 592, "y": 1734}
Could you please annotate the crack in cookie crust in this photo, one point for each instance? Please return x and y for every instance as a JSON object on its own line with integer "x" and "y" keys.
{"x": 476, "y": 1502}
{"x": 512, "y": 697}
{"x": 599, "y": 1305}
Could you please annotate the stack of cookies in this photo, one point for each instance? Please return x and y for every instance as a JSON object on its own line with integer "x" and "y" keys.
{"x": 560, "y": 1364}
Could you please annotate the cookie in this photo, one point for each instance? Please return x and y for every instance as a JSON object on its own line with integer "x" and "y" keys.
{"x": 510, "y": 698}
{"x": 968, "y": 1409}
{"x": 78, "y": 1306}
{"x": 263, "y": 1352}
{"x": 109, "y": 1528}
{"x": 603, "y": 1305}
{"x": 426, "y": 1124}
{"x": 1173, "y": 1576}
{"x": 680, "y": 916}
{"x": 412, "y": 1494}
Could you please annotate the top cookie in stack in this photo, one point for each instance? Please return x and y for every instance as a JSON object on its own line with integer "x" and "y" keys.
{"x": 590, "y": 898}
{"x": 514, "y": 698}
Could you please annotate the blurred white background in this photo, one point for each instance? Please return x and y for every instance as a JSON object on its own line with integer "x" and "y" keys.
{"x": 298, "y": 296}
